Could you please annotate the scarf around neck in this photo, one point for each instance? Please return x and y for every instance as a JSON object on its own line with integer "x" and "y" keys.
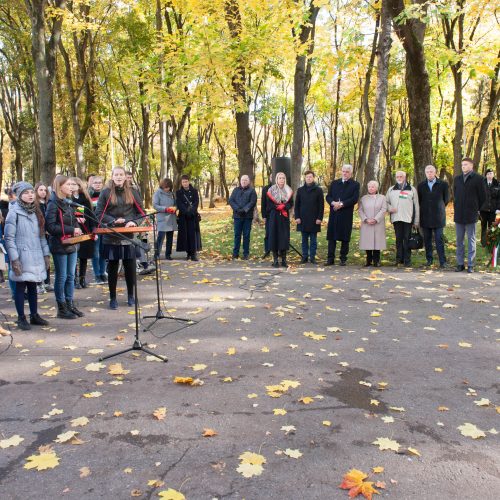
{"x": 30, "y": 208}
{"x": 280, "y": 195}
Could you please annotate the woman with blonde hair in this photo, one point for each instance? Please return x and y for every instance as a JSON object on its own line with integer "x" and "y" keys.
{"x": 61, "y": 223}
{"x": 372, "y": 209}
{"x": 119, "y": 205}
{"x": 278, "y": 213}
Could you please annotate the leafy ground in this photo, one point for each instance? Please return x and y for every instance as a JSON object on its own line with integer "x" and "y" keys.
{"x": 217, "y": 236}
{"x": 289, "y": 380}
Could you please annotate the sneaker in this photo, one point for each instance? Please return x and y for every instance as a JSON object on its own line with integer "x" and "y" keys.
{"x": 113, "y": 304}
{"x": 40, "y": 289}
{"x": 303, "y": 260}
{"x": 459, "y": 268}
{"x": 48, "y": 287}
{"x": 104, "y": 278}
{"x": 98, "y": 280}
{"x": 130, "y": 300}
{"x": 470, "y": 269}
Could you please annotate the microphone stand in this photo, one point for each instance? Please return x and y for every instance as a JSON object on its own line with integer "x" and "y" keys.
{"x": 138, "y": 345}
{"x": 159, "y": 312}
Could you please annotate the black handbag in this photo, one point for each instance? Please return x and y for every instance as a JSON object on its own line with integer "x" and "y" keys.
{"x": 415, "y": 241}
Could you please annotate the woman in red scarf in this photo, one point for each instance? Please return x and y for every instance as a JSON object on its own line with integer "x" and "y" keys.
{"x": 278, "y": 213}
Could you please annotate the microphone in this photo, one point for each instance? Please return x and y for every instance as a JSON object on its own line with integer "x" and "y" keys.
{"x": 72, "y": 203}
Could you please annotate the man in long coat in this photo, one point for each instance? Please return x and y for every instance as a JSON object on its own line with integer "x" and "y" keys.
{"x": 433, "y": 196}
{"x": 309, "y": 210}
{"x": 342, "y": 196}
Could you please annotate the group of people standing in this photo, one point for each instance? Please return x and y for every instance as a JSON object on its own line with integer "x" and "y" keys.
{"x": 411, "y": 209}
{"x": 39, "y": 226}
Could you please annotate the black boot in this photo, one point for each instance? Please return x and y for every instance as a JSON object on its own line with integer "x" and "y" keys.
{"x": 77, "y": 283}
{"x": 83, "y": 282}
{"x": 22, "y": 323}
{"x": 194, "y": 257}
{"x": 64, "y": 312}
{"x": 369, "y": 258}
{"x": 36, "y": 319}
{"x": 275, "y": 260}
{"x": 72, "y": 308}
{"x": 284, "y": 263}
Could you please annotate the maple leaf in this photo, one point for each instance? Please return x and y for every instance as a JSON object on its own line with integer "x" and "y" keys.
{"x": 66, "y": 436}
{"x": 279, "y": 411}
{"x": 288, "y": 428}
{"x": 160, "y": 413}
{"x": 52, "y": 371}
{"x": 94, "y": 394}
{"x": 306, "y": 400}
{"x": 249, "y": 457}
{"x": 94, "y": 367}
{"x": 378, "y": 470}
{"x": 387, "y": 419}
{"x": 292, "y": 453}
{"x": 171, "y": 494}
{"x": 209, "y": 433}
{"x": 183, "y": 380}
{"x": 43, "y": 461}
{"x": 483, "y": 402}
{"x": 12, "y": 441}
{"x": 117, "y": 369}
{"x": 250, "y": 470}
{"x": 386, "y": 444}
{"x": 327, "y": 423}
{"x": 48, "y": 364}
{"x": 414, "y": 451}
{"x": 314, "y": 336}
{"x": 231, "y": 351}
{"x": 85, "y": 472}
{"x": 198, "y": 367}
{"x": 434, "y": 317}
{"x": 470, "y": 430}
{"x": 354, "y": 482}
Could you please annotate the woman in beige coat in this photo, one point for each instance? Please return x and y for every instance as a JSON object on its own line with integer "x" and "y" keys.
{"x": 372, "y": 208}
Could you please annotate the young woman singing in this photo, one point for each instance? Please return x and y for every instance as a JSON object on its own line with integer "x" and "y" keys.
{"x": 119, "y": 204}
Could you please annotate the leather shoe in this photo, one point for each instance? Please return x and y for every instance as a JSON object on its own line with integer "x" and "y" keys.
{"x": 459, "y": 268}
{"x": 343, "y": 262}
{"x": 470, "y": 269}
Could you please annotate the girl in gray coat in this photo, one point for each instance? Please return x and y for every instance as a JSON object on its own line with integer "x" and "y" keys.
{"x": 28, "y": 252}
{"x": 164, "y": 203}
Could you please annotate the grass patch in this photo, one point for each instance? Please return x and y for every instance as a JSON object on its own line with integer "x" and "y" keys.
{"x": 217, "y": 236}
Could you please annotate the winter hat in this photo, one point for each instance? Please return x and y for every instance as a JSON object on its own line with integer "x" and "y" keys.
{"x": 20, "y": 187}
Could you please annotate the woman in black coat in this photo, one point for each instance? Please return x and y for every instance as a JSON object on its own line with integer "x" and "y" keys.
{"x": 489, "y": 207}
{"x": 280, "y": 196}
{"x": 61, "y": 223}
{"x": 86, "y": 250}
{"x": 119, "y": 205}
{"x": 189, "y": 235}
{"x": 41, "y": 199}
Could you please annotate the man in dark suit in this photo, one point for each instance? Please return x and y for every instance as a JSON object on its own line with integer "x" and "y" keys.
{"x": 342, "y": 196}
{"x": 469, "y": 194}
{"x": 433, "y": 196}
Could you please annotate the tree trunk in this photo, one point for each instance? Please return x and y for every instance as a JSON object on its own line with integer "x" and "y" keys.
{"x": 377, "y": 135}
{"x": 411, "y": 32}
{"x": 144, "y": 158}
{"x": 44, "y": 57}
{"x": 246, "y": 162}
{"x": 301, "y": 83}
{"x": 493, "y": 103}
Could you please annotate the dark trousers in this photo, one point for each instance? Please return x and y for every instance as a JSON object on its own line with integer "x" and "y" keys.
{"x": 438, "y": 237}
{"x": 266, "y": 237}
{"x": 344, "y": 250}
{"x": 30, "y": 288}
{"x": 159, "y": 243}
{"x": 487, "y": 219}
{"x": 242, "y": 227}
{"x": 403, "y": 231}
{"x": 372, "y": 256}
{"x": 83, "y": 267}
{"x": 309, "y": 244}
{"x": 129, "y": 268}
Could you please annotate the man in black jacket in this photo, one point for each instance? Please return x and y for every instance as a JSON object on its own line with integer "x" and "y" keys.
{"x": 243, "y": 200}
{"x": 433, "y": 196}
{"x": 469, "y": 195}
{"x": 309, "y": 210}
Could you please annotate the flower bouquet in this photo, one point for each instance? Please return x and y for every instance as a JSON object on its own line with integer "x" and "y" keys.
{"x": 493, "y": 241}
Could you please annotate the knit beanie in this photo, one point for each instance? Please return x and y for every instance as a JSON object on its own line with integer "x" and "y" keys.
{"x": 20, "y": 187}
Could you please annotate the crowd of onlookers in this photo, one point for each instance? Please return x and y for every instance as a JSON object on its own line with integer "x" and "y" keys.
{"x": 55, "y": 226}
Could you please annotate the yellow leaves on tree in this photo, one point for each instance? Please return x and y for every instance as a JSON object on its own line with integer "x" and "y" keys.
{"x": 354, "y": 481}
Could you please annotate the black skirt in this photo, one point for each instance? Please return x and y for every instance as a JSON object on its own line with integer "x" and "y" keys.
{"x": 118, "y": 252}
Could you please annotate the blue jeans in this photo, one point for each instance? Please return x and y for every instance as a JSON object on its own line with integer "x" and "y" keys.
{"x": 98, "y": 262}
{"x": 438, "y": 236}
{"x": 64, "y": 279}
{"x": 242, "y": 226}
{"x": 309, "y": 249}
{"x": 460, "y": 230}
